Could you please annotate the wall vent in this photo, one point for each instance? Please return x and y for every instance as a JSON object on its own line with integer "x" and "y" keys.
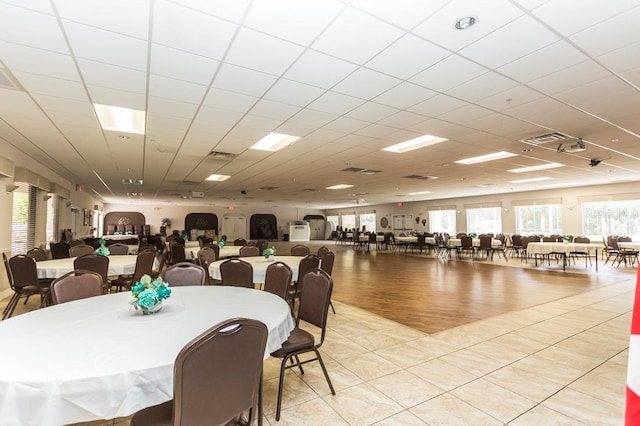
{"x": 542, "y": 139}
{"x": 224, "y": 156}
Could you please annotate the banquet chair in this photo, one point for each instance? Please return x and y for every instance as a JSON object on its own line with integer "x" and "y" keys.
{"x": 80, "y": 249}
{"x": 628, "y": 256}
{"x": 322, "y": 251}
{"x": 278, "y": 279}
{"x": 250, "y": 251}
{"x": 237, "y": 273}
{"x": 144, "y": 265}
{"x": 314, "y": 307}
{"x": 206, "y": 256}
{"x": 75, "y": 285}
{"x": 516, "y": 245}
{"x": 300, "y": 250}
{"x": 96, "y": 263}
{"x": 118, "y": 249}
{"x": 466, "y": 245}
{"x": 23, "y": 274}
{"x": 37, "y": 254}
{"x": 326, "y": 264}
{"x": 59, "y": 250}
{"x": 162, "y": 262}
{"x": 307, "y": 264}
{"x": 176, "y": 253}
{"x": 485, "y": 246}
{"x": 239, "y": 242}
{"x": 74, "y": 242}
{"x": 217, "y": 378}
{"x": 184, "y": 273}
{"x": 575, "y": 254}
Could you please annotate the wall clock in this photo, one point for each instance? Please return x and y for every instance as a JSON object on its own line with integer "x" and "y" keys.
{"x": 384, "y": 222}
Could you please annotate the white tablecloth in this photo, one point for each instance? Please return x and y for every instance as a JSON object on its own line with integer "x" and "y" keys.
{"x": 457, "y": 242}
{"x": 118, "y": 237}
{"x": 629, "y": 245}
{"x": 118, "y": 265}
{"x": 98, "y": 358}
{"x": 546, "y": 248}
{"x": 259, "y": 264}
{"x": 365, "y": 238}
{"x": 226, "y": 251}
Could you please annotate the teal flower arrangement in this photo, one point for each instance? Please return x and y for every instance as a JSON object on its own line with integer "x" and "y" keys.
{"x": 148, "y": 294}
{"x": 268, "y": 252}
{"x": 102, "y": 250}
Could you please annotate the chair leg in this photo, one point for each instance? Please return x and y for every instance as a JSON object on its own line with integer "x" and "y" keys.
{"x": 11, "y": 307}
{"x": 11, "y": 301}
{"x": 324, "y": 370}
{"x": 280, "y": 383}
{"x": 332, "y": 308}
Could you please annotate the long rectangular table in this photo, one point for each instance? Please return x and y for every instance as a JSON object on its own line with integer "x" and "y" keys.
{"x": 563, "y": 250}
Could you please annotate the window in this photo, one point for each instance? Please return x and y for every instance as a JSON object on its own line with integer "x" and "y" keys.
{"x": 23, "y": 219}
{"x": 348, "y": 221}
{"x": 334, "y": 220}
{"x": 484, "y": 220}
{"x": 611, "y": 218}
{"x": 442, "y": 221}
{"x": 52, "y": 218}
{"x": 368, "y": 222}
{"x": 539, "y": 219}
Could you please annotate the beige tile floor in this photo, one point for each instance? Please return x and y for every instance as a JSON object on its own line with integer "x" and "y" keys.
{"x": 561, "y": 363}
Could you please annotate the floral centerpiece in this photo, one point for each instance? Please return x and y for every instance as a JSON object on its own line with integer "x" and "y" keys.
{"x": 567, "y": 238}
{"x": 269, "y": 252}
{"x": 148, "y": 294}
{"x": 102, "y": 250}
{"x": 166, "y": 222}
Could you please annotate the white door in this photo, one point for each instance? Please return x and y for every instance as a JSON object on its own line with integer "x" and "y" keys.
{"x": 234, "y": 227}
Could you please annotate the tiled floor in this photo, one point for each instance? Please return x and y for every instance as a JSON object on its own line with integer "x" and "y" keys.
{"x": 563, "y": 362}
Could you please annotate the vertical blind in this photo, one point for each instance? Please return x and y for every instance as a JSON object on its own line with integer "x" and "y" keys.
{"x": 23, "y": 219}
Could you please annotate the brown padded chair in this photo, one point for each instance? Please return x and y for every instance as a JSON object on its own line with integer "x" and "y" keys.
{"x": 118, "y": 249}
{"x": 314, "y": 307}
{"x": 206, "y": 256}
{"x": 184, "y": 273}
{"x": 237, "y": 273}
{"x": 249, "y": 251}
{"x": 216, "y": 378}
{"x": 75, "y": 285}
{"x": 144, "y": 265}
{"x": 307, "y": 264}
{"x": 59, "y": 250}
{"x": 300, "y": 250}
{"x": 278, "y": 279}
{"x": 239, "y": 242}
{"x": 37, "y": 254}
{"x": 96, "y": 263}
{"x": 321, "y": 252}
{"x": 177, "y": 253}
{"x": 23, "y": 278}
{"x": 326, "y": 264}
{"x": 80, "y": 250}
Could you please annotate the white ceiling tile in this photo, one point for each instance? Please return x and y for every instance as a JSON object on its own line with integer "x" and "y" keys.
{"x": 231, "y": 11}
{"x": 242, "y": 80}
{"x": 335, "y": 103}
{"x": 530, "y": 4}
{"x": 217, "y": 116}
{"x": 345, "y": 124}
{"x": 318, "y": 69}
{"x": 497, "y": 48}
{"x": 274, "y": 110}
{"x": 437, "y": 105}
{"x": 301, "y": 21}
{"x": 171, "y": 107}
{"x": 43, "y": 62}
{"x": 404, "y": 95}
{"x": 224, "y": 99}
{"x": 491, "y": 15}
{"x": 482, "y": 87}
{"x": 313, "y": 118}
{"x": 121, "y": 16}
{"x": 407, "y": 57}
{"x": 622, "y": 59}
{"x": 182, "y": 65}
{"x": 592, "y": 91}
{"x": 121, "y": 98}
{"x": 254, "y": 127}
{"x": 402, "y": 119}
{"x": 366, "y": 84}
{"x": 19, "y": 25}
{"x": 293, "y": 93}
{"x": 615, "y": 33}
{"x": 113, "y": 77}
{"x": 570, "y": 77}
{"x": 251, "y": 49}
{"x": 371, "y": 112}
{"x": 509, "y": 98}
{"x": 356, "y": 37}
{"x": 192, "y": 31}
{"x": 465, "y": 114}
{"x": 164, "y": 87}
{"x": 411, "y": 12}
{"x": 448, "y": 73}
{"x": 108, "y": 47}
{"x": 51, "y": 86}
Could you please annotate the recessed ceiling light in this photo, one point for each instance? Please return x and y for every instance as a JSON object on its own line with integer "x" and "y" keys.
{"x": 530, "y": 180}
{"x": 120, "y": 119}
{"x": 340, "y": 186}
{"x": 124, "y": 137}
{"x": 466, "y": 22}
{"x": 420, "y": 193}
{"x": 410, "y": 145}
{"x": 544, "y": 166}
{"x": 487, "y": 157}
{"x": 217, "y": 178}
{"x": 274, "y": 142}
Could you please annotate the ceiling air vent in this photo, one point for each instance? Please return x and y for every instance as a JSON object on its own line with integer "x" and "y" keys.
{"x": 267, "y": 188}
{"x": 224, "y": 156}
{"x": 542, "y": 139}
{"x": 419, "y": 177}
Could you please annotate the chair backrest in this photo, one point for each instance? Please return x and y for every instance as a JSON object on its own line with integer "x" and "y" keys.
{"x": 300, "y": 250}
{"x": 582, "y": 240}
{"x": 215, "y": 248}
{"x": 466, "y": 241}
{"x": 144, "y": 264}
{"x": 217, "y": 375}
{"x": 315, "y": 296}
{"x": 373, "y": 238}
{"x": 307, "y": 264}
{"x": 485, "y": 241}
{"x": 96, "y": 263}
{"x": 326, "y": 264}
{"x": 278, "y": 279}
{"x": 239, "y": 242}
{"x": 37, "y": 254}
{"x": 184, "y": 273}
{"x": 237, "y": 273}
{"x": 322, "y": 251}
{"x": 206, "y": 255}
{"x": 249, "y": 251}
{"x": 80, "y": 250}
{"x": 625, "y": 239}
{"x": 75, "y": 285}
{"x": 59, "y": 250}
{"x": 7, "y": 269}
{"x": 118, "y": 249}
{"x": 516, "y": 240}
{"x": 73, "y": 243}
{"x": 549, "y": 240}
{"x": 23, "y": 271}
{"x": 177, "y": 252}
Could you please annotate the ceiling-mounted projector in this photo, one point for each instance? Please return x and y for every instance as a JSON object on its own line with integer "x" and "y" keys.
{"x": 577, "y": 147}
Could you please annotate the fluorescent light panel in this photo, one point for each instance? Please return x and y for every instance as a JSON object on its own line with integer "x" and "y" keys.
{"x": 340, "y": 186}
{"x": 488, "y": 157}
{"x": 120, "y": 119}
{"x": 530, "y": 180}
{"x": 274, "y": 142}
{"x": 420, "y": 193}
{"x": 217, "y": 178}
{"x": 544, "y": 166}
{"x": 410, "y": 145}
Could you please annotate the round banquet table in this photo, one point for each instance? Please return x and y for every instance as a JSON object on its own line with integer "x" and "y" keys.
{"x": 259, "y": 264}
{"x": 98, "y": 358}
{"x": 54, "y": 268}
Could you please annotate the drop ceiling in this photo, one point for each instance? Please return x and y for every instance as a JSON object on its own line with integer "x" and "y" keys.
{"x": 348, "y": 77}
